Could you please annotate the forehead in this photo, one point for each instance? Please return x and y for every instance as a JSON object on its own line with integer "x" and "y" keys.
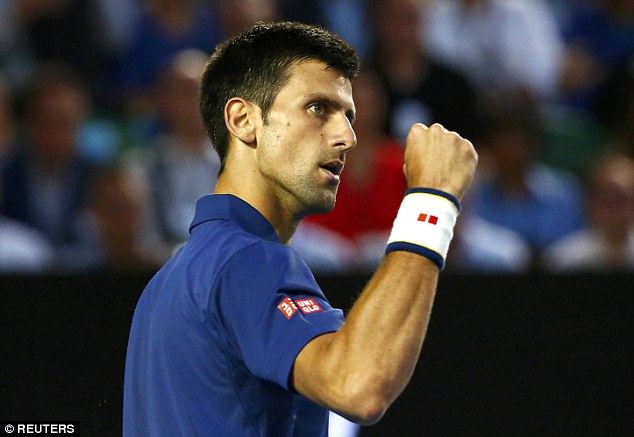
{"x": 311, "y": 77}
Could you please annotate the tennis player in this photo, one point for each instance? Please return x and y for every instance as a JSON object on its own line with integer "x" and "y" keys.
{"x": 233, "y": 336}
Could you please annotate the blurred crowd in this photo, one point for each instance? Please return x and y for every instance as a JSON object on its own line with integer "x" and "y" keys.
{"x": 103, "y": 154}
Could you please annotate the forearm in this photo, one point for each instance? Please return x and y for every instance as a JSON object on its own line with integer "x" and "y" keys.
{"x": 384, "y": 332}
{"x": 365, "y": 365}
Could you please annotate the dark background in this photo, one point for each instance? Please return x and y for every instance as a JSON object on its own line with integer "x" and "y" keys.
{"x": 504, "y": 355}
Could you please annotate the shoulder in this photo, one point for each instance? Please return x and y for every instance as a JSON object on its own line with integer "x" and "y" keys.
{"x": 233, "y": 250}
{"x": 264, "y": 260}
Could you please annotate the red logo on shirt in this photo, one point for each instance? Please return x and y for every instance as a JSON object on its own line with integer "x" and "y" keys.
{"x": 287, "y": 307}
{"x": 308, "y": 305}
{"x": 431, "y": 219}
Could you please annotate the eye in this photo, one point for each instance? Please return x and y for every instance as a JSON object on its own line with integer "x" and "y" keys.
{"x": 318, "y": 108}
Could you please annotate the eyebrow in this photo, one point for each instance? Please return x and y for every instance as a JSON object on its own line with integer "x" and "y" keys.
{"x": 333, "y": 103}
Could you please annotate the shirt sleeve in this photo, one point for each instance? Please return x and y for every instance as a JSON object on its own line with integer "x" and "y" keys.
{"x": 270, "y": 307}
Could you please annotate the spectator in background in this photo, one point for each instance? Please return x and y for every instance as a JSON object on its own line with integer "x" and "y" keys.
{"x": 180, "y": 165}
{"x": 480, "y": 246}
{"x": 86, "y": 34}
{"x": 607, "y": 242}
{"x": 419, "y": 89}
{"x": 113, "y": 222}
{"x": 596, "y": 85}
{"x": 165, "y": 28}
{"x": 44, "y": 179}
{"x": 22, "y": 249}
{"x": 541, "y": 203}
{"x": 599, "y": 39}
{"x": 352, "y": 237}
{"x": 498, "y": 44}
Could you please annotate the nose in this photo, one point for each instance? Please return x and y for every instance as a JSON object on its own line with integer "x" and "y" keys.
{"x": 344, "y": 135}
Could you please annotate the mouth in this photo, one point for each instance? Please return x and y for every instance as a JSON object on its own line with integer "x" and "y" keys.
{"x": 334, "y": 168}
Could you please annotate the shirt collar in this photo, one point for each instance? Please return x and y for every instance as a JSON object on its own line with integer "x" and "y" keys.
{"x": 229, "y": 207}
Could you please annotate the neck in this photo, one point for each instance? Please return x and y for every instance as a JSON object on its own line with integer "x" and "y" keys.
{"x": 274, "y": 209}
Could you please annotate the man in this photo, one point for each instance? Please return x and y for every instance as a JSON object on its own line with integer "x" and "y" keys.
{"x": 233, "y": 337}
{"x": 606, "y": 242}
{"x": 45, "y": 177}
{"x": 180, "y": 164}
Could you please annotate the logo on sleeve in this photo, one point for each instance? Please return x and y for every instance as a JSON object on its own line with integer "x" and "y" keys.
{"x": 308, "y": 305}
{"x": 287, "y": 307}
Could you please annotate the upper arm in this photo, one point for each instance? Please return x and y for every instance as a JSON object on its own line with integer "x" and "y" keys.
{"x": 270, "y": 308}
{"x": 319, "y": 375}
{"x": 306, "y": 375}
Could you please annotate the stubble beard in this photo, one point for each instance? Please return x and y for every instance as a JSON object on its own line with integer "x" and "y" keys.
{"x": 307, "y": 196}
{"x": 301, "y": 193}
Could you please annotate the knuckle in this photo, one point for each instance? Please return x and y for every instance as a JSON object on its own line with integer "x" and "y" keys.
{"x": 418, "y": 128}
{"x": 438, "y": 127}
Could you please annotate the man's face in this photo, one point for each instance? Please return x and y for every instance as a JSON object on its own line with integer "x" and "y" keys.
{"x": 55, "y": 121}
{"x": 304, "y": 140}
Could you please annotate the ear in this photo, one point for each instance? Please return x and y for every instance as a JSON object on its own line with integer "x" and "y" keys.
{"x": 240, "y": 118}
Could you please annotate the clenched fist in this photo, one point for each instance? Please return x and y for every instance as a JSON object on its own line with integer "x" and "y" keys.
{"x": 440, "y": 159}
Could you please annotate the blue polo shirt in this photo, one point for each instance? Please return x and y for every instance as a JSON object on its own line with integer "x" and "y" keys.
{"x": 217, "y": 330}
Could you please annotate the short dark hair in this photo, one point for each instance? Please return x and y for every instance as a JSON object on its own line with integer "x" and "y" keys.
{"x": 255, "y": 65}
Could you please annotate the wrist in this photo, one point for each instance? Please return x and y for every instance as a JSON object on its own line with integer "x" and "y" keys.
{"x": 424, "y": 224}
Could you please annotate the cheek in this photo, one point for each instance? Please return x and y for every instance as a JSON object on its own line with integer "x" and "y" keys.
{"x": 284, "y": 147}
{"x": 273, "y": 158}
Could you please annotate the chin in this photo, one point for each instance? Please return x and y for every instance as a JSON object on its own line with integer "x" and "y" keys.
{"x": 322, "y": 206}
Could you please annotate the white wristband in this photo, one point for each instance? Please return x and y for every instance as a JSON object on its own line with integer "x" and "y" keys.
{"x": 424, "y": 224}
